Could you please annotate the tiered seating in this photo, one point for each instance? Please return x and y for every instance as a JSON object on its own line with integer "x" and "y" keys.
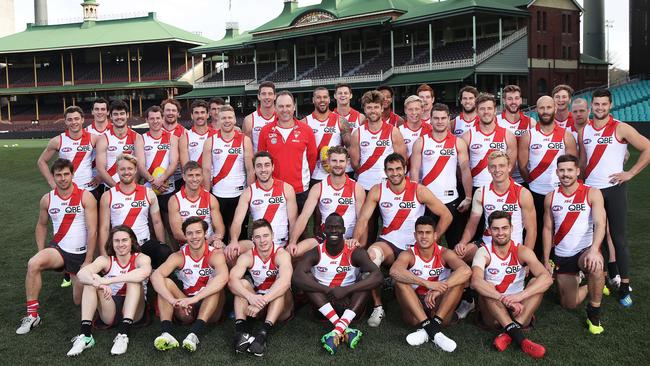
{"x": 20, "y": 77}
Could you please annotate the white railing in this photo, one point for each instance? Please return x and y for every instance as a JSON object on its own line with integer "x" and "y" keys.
{"x": 219, "y": 84}
{"x": 454, "y": 64}
{"x": 325, "y": 81}
{"x": 505, "y": 42}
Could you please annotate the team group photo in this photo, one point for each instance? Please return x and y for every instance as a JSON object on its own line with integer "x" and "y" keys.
{"x": 304, "y": 218}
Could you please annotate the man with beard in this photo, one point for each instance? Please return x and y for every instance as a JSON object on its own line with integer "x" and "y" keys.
{"x": 603, "y": 145}
{"x": 387, "y": 114}
{"x": 203, "y": 274}
{"x": 73, "y": 212}
{"x": 228, "y": 166}
{"x": 337, "y": 193}
{"x": 574, "y": 225}
{"x": 159, "y": 150}
{"x": 562, "y": 97}
{"x": 400, "y": 201}
{"x": 468, "y": 116}
{"x": 425, "y": 92}
{"x": 498, "y": 273}
{"x": 371, "y": 144}
{"x": 515, "y": 121}
{"x": 190, "y": 147}
{"x": 429, "y": 281}
{"x": 415, "y": 126}
{"x": 267, "y": 198}
{"x": 265, "y": 113}
{"x": 436, "y": 160}
{"x": 171, "y": 109}
{"x": 76, "y": 145}
{"x": 132, "y": 204}
{"x": 194, "y": 200}
{"x": 485, "y": 137}
{"x": 538, "y": 152}
{"x": 330, "y": 275}
{"x": 329, "y": 128}
{"x": 261, "y": 282}
{"x": 120, "y": 139}
{"x": 292, "y": 145}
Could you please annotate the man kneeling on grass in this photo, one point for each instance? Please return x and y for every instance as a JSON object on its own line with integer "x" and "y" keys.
{"x": 429, "y": 282}
{"x": 203, "y": 272}
{"x": 260, "y": 281}
{"x": 118, "y": 293}
{"x": 330, "y": 276}
{"x": 498, "y": 273}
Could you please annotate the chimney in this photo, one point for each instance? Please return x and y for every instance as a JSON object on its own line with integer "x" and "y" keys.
{"x": 289, "y": 6}
{"x": 594, "y": 28}
{"x": 40, "y": 12}
{"x": 232, "y": 29}
{"x": 90, "y": 12}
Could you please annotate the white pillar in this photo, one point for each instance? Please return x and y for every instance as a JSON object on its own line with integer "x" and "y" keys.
{"x": 223, "y": 66}
{"x": 474, "y": 38}
{"x": 315, "y": 56}
{"x": 500, "y": 33}
{"x": 276, "y": 60}
{"x": 295, "y": 63}
{"x": 412, "y": 47}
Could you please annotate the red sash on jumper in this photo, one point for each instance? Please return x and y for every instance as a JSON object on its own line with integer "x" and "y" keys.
{"x": 237, "y": 142}
{"x": 160, "y": 154}
{"x": 386, "y": 130}
{"x": 68, "y": 219}
{"x": 599, "y": 150}
{"x": 450, "y": 141}
{"x": 401, "y": 215}
{"x": 572, "y": 216}
{"x": 549, "y": 155}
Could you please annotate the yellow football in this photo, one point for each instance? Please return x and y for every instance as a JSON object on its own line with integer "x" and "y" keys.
{"x": 157, "y": 173}
{"x": 323, "y": 158}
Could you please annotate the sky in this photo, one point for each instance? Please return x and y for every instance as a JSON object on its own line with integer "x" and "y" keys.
{"x": 191, "y": 16}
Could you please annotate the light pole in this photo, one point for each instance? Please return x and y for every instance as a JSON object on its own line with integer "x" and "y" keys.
{"x": 608, "y": 25}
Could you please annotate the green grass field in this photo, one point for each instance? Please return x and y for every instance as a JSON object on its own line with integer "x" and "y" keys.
{"x": 562, "y": 332}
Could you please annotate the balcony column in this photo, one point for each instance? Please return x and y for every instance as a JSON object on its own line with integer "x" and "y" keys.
{"x": 169, "y": 63}
{"x": 430, "y": 47}
{"x": 35, "y": 76}
{"x": 474, "y": 38}
{"x": 71, "y": 69}
{"x": 223, "y": 67}
{"x": 128, "y": 56}
{"x": 295, "y": 62}
{"x": 500, "y": 33}
{"x": 340, "y": 57}
{"x": 139, "y": 75}
{"x": 7, "y": 72}
{"x": 63, "y": 68}
{"x": 37, "y": 109}
{"x": 101, "y": 71}
{"x": 392, "y": 49}
{"x": 255, "y": 62}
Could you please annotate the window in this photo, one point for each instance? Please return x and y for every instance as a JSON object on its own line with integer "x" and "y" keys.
{"x": 568, "y": 52}
{"x": 544, "y": 21}
{"x": 563, "y": 23}
{"x": 544, "y": 51}
{"x": 541, "y": 86}
{"x": 568, "y": 23}
{"x": 539, "y": 51}
{"x": 539, "y": 21}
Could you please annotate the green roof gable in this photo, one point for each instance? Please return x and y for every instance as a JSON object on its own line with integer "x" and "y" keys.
{"x": 433, "y": 10}
{"x": 101, "y": 33}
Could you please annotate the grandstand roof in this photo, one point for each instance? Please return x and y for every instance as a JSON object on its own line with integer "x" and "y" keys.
{"x": 430, "y": 77}
{"x": 591, "y": 60}
{"x": 339, "y": 15}
{"x": 435, "y": 10}
{"x": 137, "y": 30}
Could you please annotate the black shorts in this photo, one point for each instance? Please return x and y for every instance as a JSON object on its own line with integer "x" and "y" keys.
{"x": 313, "y": 182}
{"x": 178, "y": 184}
{"x": 97, "y": 192}
{"x": 163, "y": 201}
{"x": 396, "y": 250}
{"x": 568, "y": 265}
{"x": 301, "y": 198}
{"x": 71, "y": 262}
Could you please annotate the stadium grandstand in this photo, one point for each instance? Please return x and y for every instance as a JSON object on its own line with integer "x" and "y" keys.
{"x": 365, "y": 43}
{"x": 48, "y": 67}
{"x": 402, "y": 43}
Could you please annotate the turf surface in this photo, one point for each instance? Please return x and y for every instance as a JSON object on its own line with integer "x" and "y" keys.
{"x": 562, "y": 332}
